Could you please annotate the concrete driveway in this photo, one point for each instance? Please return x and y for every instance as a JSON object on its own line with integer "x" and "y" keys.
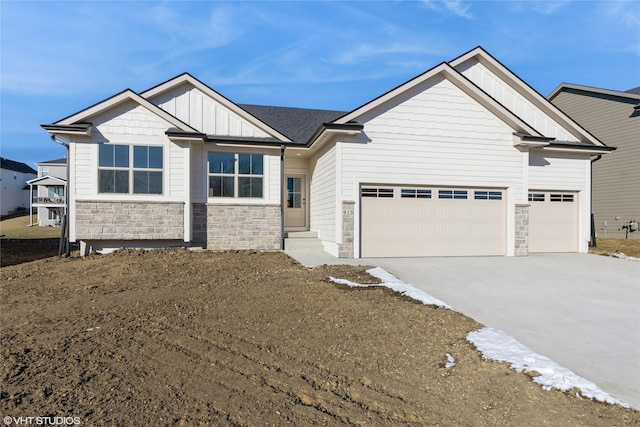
{"x": 582, "y": 311}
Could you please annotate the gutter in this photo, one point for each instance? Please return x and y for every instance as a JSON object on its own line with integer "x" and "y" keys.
{"x": 64, "y": 241}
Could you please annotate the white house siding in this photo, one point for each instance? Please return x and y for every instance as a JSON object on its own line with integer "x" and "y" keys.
{"x": 324, "y": 200}
{"x": 12, "y": 193}
{"x": 201, "y": 112}
{"x": 438, "y": 137}
{"x": 128, "y": 124}
{"x": 514, "y": 101}
{"x": 565, "y": 172}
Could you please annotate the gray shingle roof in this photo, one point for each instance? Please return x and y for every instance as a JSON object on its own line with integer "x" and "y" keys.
{"x": 299, "y": 124}
{"x": 62, "y": 161}
{"x": 635, "y": 90}
{"x": 12, "y": 165}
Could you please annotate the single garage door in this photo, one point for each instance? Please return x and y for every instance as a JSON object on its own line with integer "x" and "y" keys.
{"x": 553, "y": 221}
{"x": 406, "y": 221}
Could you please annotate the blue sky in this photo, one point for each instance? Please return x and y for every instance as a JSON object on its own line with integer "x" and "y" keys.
{"x": 59, "y": 57}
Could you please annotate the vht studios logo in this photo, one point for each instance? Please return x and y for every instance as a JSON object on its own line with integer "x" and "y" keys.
{"x": 41, "y": 421}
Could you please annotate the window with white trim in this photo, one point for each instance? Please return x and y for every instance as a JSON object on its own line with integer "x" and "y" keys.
{"x": 415, "y": 193}
{"x": 235, "y": 175}
{"x": 561, "y": 197}
{"x": 487, "y": 195}
{"x": 117, "y": 174}
{"x": 452, "y": 194}
{"x": 377, "y": 192}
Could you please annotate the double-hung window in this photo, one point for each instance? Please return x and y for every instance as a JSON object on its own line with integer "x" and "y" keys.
{"x": 236, "y": 175}
{"x": 118, "y": 174}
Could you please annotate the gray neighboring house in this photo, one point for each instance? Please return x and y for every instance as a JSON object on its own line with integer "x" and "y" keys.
{"x": 49, "y": 198}
{"x": 614, "y": 118}
{"x": 13, "y": 189}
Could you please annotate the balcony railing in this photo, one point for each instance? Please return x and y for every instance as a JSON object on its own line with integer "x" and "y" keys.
{"x": 58, "y": 200}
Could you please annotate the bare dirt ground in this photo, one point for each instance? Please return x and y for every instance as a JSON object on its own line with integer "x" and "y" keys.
{"x": 174, "y": 337}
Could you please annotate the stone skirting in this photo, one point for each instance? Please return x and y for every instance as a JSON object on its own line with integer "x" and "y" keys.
{"x": 106, "y": 220}
{"x": 345, "y": 249}
{"x": 521, "y": 230}
{"x": 223, "y": 227}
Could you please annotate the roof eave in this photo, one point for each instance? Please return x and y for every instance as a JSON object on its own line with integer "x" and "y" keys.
{"x": 79, "y": 129}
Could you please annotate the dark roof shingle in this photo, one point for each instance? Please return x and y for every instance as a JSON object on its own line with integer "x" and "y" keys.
{"x": 12, "y": 165}
{"x": 299, "y": 124}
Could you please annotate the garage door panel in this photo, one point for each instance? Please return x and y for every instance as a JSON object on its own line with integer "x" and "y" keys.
{"x": 403, "y": 226}
{"x": 553, "y": 221}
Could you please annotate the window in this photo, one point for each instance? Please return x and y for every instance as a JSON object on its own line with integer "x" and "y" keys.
{"x": 236, "y": 175}
{"x": 377, "y": 192}
{"x": 414, "y": 193}
{"x": 536, "y": 197}
{"x": 487, "y": 195}
{"x": 147, "y": 170}
{"x": 452, "y": 194}
{"x": 561, "y": 197}
{"x": 116, "y": 172}
{"x": 44, "y": 172}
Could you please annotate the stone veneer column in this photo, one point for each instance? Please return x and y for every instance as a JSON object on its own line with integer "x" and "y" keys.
{"x": 346, "y": 247}
{"x": 522, "y": 230}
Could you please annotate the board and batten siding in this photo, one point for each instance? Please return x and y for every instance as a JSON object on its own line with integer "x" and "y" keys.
{"x": 323, "y": 196}
{"x": 514, "y": 101}
{"x": 616, "y": 176}
{"x": 201, "y": 112}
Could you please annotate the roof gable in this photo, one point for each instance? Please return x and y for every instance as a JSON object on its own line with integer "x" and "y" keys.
{"x": 529, "y": 96}
{"x": 444, "y": 70}
{"x": 117, "y": 100}
{"x": 216, "y": 114}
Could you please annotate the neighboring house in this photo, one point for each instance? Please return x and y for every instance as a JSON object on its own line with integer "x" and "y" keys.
{"x": 464, "y": 159}
{"x": 614, "y": 118}
{"x": 14, "y": 194}
{"x": 49, "y": 198}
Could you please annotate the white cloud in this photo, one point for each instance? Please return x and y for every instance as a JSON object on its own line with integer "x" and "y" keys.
{"x": 455, "y": 7}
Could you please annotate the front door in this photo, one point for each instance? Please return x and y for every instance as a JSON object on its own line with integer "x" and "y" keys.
{"x": 295, "y": 214}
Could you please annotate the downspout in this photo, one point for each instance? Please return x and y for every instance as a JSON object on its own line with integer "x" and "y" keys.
{"x": 282, "y": 196}
{"x": 65, "y": 221}
{"x": 593, "y": 243}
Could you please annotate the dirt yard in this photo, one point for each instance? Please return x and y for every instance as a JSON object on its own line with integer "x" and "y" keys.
{"x": 174, "y": 337}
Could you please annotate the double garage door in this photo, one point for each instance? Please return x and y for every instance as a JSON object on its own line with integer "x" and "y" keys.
{"x": 405, "y": 221}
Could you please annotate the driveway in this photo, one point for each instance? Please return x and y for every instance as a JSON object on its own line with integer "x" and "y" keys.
{"x": 582, "y": 311}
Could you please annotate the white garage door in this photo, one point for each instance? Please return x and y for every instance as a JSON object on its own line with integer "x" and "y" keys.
{"x": 553, "y": 221}
{"x": 405, "y": 221}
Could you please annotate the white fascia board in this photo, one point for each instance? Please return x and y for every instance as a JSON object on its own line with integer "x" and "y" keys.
{"x": 37, "y": 181}
{"x": 217, "y": 97}
{"x": 127, "y": 95}
{"x": 528, "y": 92}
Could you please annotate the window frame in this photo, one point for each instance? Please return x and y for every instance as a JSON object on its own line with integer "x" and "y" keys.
{"x": 237, "y": 176}
{"x": 131, "y": 169}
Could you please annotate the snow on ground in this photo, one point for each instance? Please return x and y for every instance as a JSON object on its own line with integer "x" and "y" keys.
{"x": 392, "y": 282}
{"x": 624, "y": 256}
{"x": 500, "y": 347}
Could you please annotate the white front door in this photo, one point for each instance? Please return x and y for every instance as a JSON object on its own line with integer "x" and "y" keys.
{"x": 295, "y": 213}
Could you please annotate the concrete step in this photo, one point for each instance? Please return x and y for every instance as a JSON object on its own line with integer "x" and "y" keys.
{"x": 300, "y": 242}
{"x": 301, "y": 235}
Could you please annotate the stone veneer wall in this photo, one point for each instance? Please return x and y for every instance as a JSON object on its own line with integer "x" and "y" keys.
{"x": 346, "y": 247}
{"x": 522, "y": 230}
{"x": 222, "y": 227}
{"x": 100, "y": 220}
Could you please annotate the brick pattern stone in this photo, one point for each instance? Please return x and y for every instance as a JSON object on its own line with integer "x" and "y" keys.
{"x": 522, "y": 230}
{"x": 346, "y": 247}
{"x": 100, "y": 220}
{"x": 224, "y": 227}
